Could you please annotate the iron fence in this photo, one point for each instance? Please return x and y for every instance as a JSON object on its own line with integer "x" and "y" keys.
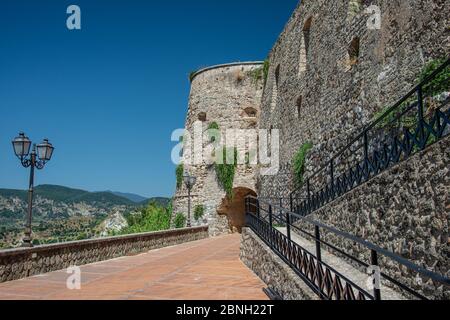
{"x": 263, "y": 218}
{"x": 419, "y": 119}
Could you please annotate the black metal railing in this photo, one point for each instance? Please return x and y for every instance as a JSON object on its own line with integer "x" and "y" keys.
{"x": 328, "y": 283}
{"x": 420, "y": 118}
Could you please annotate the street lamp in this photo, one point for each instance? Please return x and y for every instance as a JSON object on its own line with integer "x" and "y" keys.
{"x": 40, "y": 155}
{"x": 189, "y": 181}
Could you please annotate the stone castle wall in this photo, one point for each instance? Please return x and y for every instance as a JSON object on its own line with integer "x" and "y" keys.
{"x": 404, "y": 210}
{"x": 230, "y": 96}
{"x": 317, "y": 93}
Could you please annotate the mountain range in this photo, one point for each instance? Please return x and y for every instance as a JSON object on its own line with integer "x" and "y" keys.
{"x": 64, "y": 214}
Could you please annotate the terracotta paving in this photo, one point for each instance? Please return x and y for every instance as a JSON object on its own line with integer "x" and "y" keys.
{"x": 208, "y": 269}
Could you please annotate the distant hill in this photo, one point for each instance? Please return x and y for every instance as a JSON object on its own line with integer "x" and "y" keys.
{"x": 68, "y": 195}
{"x": 64, "y": 214}
{"x": 130, "y": 196}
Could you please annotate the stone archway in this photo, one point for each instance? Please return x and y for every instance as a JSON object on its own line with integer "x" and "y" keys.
{"x": 234, "y": 209}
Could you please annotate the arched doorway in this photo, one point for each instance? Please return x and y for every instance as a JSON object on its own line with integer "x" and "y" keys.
{"x": 234, "y": 208}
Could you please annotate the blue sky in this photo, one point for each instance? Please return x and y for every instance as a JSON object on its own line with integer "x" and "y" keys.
{"x": 109, "y": 96}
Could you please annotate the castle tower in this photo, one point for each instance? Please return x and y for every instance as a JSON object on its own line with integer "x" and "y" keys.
{"x": 226, "y": 97}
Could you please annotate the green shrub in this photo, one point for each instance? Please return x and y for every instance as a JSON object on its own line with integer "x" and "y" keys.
{"x": 225, "y": 172}
{"x": 179, "y": 221}
{"x": 179, "y": 173}
{"x": 151, "y": 218}
{"x": 300, "y": 162}
{"x": 199, "y": 211}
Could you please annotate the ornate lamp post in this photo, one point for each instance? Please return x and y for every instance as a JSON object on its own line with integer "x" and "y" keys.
{"x": 40, "y": 155}
{"x": 189, "y": 181}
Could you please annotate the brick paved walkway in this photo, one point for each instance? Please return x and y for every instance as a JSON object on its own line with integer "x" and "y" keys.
{"x": 208, "y": 269}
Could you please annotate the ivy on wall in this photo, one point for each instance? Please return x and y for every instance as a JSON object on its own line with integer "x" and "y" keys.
{"x": 300, "y": 162}
{"x": 440, "y": 83}
{"x": 179, "y": 173}
{"x": 434, "y": 88}
{"x": 226, "y": 169}
{"x": 213, "y": 127}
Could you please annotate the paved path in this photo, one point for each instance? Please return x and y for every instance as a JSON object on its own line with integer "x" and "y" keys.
{"x": 202, "y": 270}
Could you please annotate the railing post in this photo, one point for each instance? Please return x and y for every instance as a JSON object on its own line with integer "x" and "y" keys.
{"x": 270, "y": 216}
{"x": 366, "y": 153}
{"x": 332, "y": 176}
{"x": 374, "y": 263}
{"x": 247, "y": 211}
{"x": 308, "y": 189}
{"x": 421, "y": 118}
{"x": 288, "y": 225}
{"x": 318, "y": 249}
{"x": 258, "y": 212}
{"x": 291, "y": 203}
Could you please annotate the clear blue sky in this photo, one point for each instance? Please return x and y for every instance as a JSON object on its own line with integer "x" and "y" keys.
{"x": 109, "y": 96}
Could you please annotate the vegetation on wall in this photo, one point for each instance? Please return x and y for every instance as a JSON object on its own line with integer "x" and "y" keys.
{"x": 226, "y": 169}
{"x": 440, "y": 83}
{"x": 261, "y": 72}
{"x": 300, "y": 162}
{"x": 213, "y": 127}
{"x": 179, "y": 221}
{"x": 199, "y": 211}
{"x": 266, "y": 67}
{"x": 192, "y": 75}
{"x": 434, "y": 88}
{"x": 179, "y": 173}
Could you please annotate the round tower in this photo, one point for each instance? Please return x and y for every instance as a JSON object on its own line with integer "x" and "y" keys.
{"x": 226, "y": 97}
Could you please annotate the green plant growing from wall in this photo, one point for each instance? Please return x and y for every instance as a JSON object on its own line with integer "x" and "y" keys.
{"x": 440, "y": 83}
{"x": 434, "y": 88}
{"x": 179, "y": 221}
{"x": 266, "y": 67}
{"x": 199, "y": 212}
{"x": 179, "y": 173}
{"x": 300, "y": 162}
{"x": 192, "y": 75}
{"x": 226, "y": 168}
{"x": 213, "y": 134}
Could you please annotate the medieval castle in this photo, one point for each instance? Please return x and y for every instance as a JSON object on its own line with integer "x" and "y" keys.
{"x": 334, "y": 68}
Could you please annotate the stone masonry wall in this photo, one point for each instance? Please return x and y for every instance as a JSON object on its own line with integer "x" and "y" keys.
{"x": 317, "y": 92}
{"x": 404, "y": 210}
{"x": 25, "y": 262}
{"x": 340, "y": 95}
{"x": 223, "y": 94}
